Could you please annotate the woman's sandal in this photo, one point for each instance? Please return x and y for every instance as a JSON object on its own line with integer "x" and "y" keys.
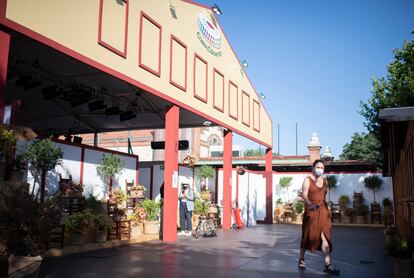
{"x": 331, "y": 270}
{"x": 301, "y": 263}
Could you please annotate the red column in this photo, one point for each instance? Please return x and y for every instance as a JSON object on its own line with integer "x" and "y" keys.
{"x": 227, "y": 169}
{"x": 170, "y": 166}
{"x": 269, "y": 187}
{"x": 4, "y": 60}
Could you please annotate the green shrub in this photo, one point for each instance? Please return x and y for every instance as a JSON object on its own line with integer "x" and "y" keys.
{"x": 299, "y": 207}
{"x": 94, "y": 205}
{"x": 398, "y": 247}
{"x": 151, "y": 208}
{"x": 102, "y": 222}
{"x": 361, "y": 210}
{"x": 344, "y": 199}
{"x": 78, "y": 222}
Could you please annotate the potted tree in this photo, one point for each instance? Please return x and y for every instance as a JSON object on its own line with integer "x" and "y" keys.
{"x": 43, "y": 156}
{"x": 388, "y": 212}
{"x": 120, "y": 198}
{"x": 330, "y": 184}
{"x": 101, "y": 223}
{"x": 76, "y": 225}
{"x": 109, "y": 167}
{"x": 373, "y": 183}
{"x": 203, "y": 173}
{"x": 284, "y": 183}
{"x": 25, "y": 227}
{"x": 343, "y": 202}
{"x": 361, "y": 211}
{"x": 401, "y": 251}
{"x": 151, "y": 222}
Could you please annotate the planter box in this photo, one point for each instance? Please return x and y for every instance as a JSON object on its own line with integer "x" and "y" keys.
{"x": 76, "y": 239}
{"x": 151, "y": 227}
{"x": 402, "y": 268}
{"x": 346, "y": 219}
{"x": 137, "y": 229}
{"x": 360, "y": 219}
{"x": 100, "y": 236}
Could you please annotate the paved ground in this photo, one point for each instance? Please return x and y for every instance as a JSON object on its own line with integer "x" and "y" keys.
{"x": 262, "y": 251}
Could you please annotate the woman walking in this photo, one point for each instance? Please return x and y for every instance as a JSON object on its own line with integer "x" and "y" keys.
{"x": 316, "y": 225}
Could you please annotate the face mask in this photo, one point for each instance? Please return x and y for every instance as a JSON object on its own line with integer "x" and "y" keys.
{"x": 318, "y": 172}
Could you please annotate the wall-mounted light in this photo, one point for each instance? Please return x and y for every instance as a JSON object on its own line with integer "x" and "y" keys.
{"x": 262, "y": 96}
{"x": 206, "y": 123}
{"x": 96, "y": 105}
{"x": 127, "y": 115}
{"x": 244, "y": 63}
{"x": 216, "y": 9}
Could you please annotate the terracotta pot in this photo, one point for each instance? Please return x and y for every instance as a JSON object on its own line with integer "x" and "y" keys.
{"x": 402, "y": 268}
{"x": 76, "y": 238}
{"x": 100, "y": 236}
{"x": 151, "y": 227}
{"x": 137, "y": 229}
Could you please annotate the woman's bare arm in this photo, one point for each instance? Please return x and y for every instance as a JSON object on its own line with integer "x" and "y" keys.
{"x": 305, "y": 191}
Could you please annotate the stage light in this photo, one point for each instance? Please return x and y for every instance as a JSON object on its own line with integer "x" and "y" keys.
{"x": 50, "y": 92}
{"x": 77, "y": 139}
{"x": 96, "y": 105}
{"x": 32, "y": 84}
{"x": 113, "y": 110}
{"x": 127, "y": 115}
{"x": 23, "y": 80}
{"x": 216, "y": 9}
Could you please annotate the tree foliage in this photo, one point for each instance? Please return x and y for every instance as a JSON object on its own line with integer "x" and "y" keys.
{"x": 256, "y": 152}
{"x": 44, "y": 155}
{"x": 394, "y": 90}
{"x": 363, "y": 147}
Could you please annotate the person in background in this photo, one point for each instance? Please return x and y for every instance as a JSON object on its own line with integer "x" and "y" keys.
{"x": 316, "y": 225}
{"x": 186, "y": 201}
{"x": 161, "y": 209}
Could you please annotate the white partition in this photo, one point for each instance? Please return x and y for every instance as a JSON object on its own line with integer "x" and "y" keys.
{"x": 145, "y": 179}
{"x": 83, "y": 168}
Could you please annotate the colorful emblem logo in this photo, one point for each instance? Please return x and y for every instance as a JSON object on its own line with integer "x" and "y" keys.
{"x": 209, "y": 35}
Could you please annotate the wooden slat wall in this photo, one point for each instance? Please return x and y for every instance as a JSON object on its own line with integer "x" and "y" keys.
{"x": 403, "y": 183}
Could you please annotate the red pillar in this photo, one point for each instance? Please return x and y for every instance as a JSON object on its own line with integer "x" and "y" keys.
{"x": 170, "y": 167}
{"x": 227, "y": 169}
{"x": 269, "y": 187}
{"x": 4, "y": 60}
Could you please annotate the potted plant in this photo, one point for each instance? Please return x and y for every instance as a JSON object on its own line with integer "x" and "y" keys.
{"x": 76, "y": 224}
{"x": 373, "y": 183}
{"x": 151, "y": 222}
{"x": 138, "y": 191}
{"x": 330, "y": 184}
{"x": 203, "y": 173}
{"x": 284, "y": 183}
{"x": 361, "y": 211}
{"x": 120, "y": 198}
{"x": 347, "y": 216}
{"x": 25, "y": 227}
{"x": 299, "y": 208}
{"x": 401, "y": 251}
{"x": 101, "y": 224}
{"x": 43, "y": 156}
{"x": 137, "y": 218}
{"x": 72, "y": 189}
{"x": 109, "y": 167}
{"x": 343, "y": 202}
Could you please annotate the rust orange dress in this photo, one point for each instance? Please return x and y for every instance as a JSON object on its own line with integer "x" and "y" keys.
{"x": 317, "y": 221}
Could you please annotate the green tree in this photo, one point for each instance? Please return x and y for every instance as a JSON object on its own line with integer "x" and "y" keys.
{"x": 43, "y": 155}
{"x": 109, "y": 167}
{"x": 394, "y": 90}
{"x": 205, "y": 172}
{"x": 284, "y": 183}
{"x": 256, "y": 152}
{"x": 363, "y": 147}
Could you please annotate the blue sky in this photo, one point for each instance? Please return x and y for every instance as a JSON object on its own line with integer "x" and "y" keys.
{"x": 314, "y": 60}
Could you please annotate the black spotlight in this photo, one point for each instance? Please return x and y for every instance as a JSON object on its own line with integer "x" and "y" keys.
{"x": 127, "y": 115}
{"x": 24, "y": 79}
{"x": 50, "y": 92}
{"x": 68, "y": 138}
{"x": 113, "y": 110}
{"x": 32, "y": 84}
{"x": 77, "y": 139}
{"x": 96, "y": 105}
